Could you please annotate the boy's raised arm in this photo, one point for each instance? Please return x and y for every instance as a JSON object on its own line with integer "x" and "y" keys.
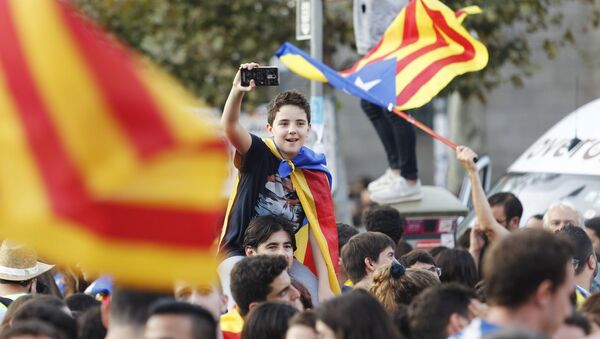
{"x": 230, "y": 120}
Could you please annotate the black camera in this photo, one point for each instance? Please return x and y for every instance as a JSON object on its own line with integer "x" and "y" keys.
{"x": 262, "y": 76}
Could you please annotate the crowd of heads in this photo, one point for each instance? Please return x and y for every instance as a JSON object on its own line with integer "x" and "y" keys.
{"x": 526, "y": 285}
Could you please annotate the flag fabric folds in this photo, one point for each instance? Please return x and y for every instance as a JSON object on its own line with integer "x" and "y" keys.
{"x": 423, "y": 49}
{"x": 312, "y": 181}
{"x": 102, "y": 162}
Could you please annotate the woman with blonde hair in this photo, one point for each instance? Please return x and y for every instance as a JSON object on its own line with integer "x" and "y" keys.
{"x": 393, "y": 284}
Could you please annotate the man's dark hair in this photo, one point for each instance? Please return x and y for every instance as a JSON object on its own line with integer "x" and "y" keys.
{"x": 48, "y": 311}
{"x": 89, "y": 324}
{"x": 437, "y": 251}
{"x": 429, "y": 312}
{"x": 384, "y": 219}
{"x": 203, "y": 323}
{"x": 262, "y": 227}
{"x": 578, "y": 320}
{"x": 361, "y": 246}
{"x": 516, "y": 265}
{"x": 594, "y": 225}
{"x": 512, "y": 205}
{"x": 31, "y": 327}
{"x": 251, "y": 279}
{"x": 357, "y": 315}
{"x": 583, "y": 245}
{"x": 402, "y": 247}
{"x": 293, "y": 98}
{"x": 268, "y": 320}
{"x": 305, "y": 296}
{"x": 80, "y": 302}
{"x": 415, "y": 256}
{"x": 457, "y": 266}
{"x": 130, "y": 307}
{"x": 345, "y": 232}
{"x": 305, "y": 318}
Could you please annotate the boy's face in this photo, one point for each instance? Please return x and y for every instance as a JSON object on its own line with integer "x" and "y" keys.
{"x": 279, "y": 243}
{"x": 290, "y": 129}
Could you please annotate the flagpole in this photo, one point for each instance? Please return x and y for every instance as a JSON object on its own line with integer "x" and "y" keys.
{"x": 424, "y": 128}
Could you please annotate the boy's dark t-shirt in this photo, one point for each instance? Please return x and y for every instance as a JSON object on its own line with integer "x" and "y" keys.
{"x": 260, "y": 191}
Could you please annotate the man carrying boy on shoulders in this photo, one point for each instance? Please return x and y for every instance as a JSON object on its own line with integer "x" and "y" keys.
{"x": 279, "y": 176}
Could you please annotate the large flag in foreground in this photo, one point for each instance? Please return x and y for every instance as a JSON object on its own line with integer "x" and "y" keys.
{"x": 102, "y": 163}
{"x": 424, "y": 48}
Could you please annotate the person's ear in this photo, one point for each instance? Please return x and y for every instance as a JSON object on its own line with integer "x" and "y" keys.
{"x": 269, "y": 128}
{"x": 543, "y": 294}
{"x": 252, "y": 305}
{"x": 369, "y": 265}
{"x": 456, "y": 323}
{"x": 224, "y": 300}
{"x": 513, "y": 224}
{"x": 105, "y": 312}
{"x": 591, "y": 262}
{"x": 250, "y": 251}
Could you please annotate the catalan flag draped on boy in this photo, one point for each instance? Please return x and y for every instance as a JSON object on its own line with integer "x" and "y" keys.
{"x": 101, "y": 162}
{"x": 424, "y": 48}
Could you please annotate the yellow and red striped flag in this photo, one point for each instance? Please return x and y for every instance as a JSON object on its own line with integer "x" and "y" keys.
{"x": 102, "y": 163}
{"x": 423, "y": 49}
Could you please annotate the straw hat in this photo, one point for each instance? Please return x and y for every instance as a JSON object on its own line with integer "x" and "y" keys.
{"x": 19, "y": 262}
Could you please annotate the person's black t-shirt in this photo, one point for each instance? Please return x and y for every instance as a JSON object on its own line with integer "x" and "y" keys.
{"x": 260, "y": 191}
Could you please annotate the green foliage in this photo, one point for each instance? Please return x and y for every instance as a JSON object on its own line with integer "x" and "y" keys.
{"x": 202, "y": 43}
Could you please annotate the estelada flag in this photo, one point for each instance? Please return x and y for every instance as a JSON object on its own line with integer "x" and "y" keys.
{"x": 102, "y": 162}
{"x": 423, "y": 49}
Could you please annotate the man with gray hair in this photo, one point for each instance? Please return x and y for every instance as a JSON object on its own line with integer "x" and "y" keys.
{"x": 562, "y": 214}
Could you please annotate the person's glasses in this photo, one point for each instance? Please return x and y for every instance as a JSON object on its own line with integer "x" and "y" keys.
{"x": 435, "y": 270}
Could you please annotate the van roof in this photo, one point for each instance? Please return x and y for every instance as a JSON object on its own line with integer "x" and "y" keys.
{"x": 550, "y": 154}
{"x": 436, "y": 202}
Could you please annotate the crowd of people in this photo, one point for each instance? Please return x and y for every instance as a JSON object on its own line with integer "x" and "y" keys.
{"x": 504, "y": 279}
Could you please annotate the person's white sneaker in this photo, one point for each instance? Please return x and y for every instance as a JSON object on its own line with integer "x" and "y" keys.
{"x": 382, "y": 181}
{"x": 398, "y": 190}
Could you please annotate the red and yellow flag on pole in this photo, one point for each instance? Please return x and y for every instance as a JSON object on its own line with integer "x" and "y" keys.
{"x": 102, "y": 163}
{"x": 423, "y": 49}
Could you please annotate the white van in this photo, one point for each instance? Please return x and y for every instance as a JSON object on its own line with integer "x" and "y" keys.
{"x": 548, "y": 171}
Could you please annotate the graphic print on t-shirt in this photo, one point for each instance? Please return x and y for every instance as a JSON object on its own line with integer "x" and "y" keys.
{"x": 279, "y": 198}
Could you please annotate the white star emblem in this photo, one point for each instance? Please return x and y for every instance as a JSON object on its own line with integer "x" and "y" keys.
{"x": 366, "y": 85}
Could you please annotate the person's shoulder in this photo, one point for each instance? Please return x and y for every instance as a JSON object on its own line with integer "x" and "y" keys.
{"x": 257, "y": 146}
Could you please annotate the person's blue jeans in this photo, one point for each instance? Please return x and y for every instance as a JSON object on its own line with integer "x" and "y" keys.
{"x": 398, "y": 138}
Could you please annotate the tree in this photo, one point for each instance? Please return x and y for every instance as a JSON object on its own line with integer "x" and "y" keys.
{"x": 202, "y": 42}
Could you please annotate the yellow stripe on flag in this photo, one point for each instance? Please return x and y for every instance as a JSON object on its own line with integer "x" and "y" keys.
{"x": 161, "y": 265}
{"x": 386, "y": 47}
{"x": 82, "y": 119}
{"x": 22, "y": 194}
{"x": 299, "y": 65}
{"x": 190, "y": 188}
{"x": 171, "y": 97}
{"x": 313, "y": 221}
{"x": 301, "y": 243}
